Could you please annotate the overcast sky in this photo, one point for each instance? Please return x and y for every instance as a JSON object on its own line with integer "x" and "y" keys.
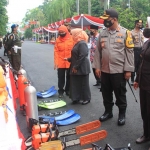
{"x": 17, "y": 8}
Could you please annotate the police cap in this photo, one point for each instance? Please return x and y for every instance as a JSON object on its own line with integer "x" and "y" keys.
{"x": 93, "y": 27}
{"x": 138, "y": 21}
{"x": 109, "y": 13}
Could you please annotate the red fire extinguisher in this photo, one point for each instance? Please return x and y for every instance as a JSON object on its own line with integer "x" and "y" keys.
{"x": 21, "y": 87}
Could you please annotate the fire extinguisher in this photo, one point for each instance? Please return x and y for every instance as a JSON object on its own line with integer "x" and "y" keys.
{"x": 21, "y": 87}
{"x": 31, "y": 104}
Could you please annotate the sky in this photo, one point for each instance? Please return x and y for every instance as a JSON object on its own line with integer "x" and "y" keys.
{"x": 18, "y": 8}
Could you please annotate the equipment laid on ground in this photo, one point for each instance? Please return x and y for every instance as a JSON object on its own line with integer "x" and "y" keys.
{"x": 47, "y": 93}
{"x": 65, "y": 119}
{"x": 72, "y": 119}
{"x": 83, "y": 140}
{"x": 67, "y": 114}
{"x": 51, "y": 105}
{"x": 31, "y": 103}
{"x": 56, "y": 113}
{"x": 107, "y": 147}
{"x": 46, "y": 140}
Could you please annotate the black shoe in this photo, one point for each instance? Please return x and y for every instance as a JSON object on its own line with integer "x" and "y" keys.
{"x": 85, "y": 102}
{"x": 97, "y": 84}
{"x": 121, "y": 119}
{"x": 106, "y": 116}
{"x": 60, "y": 95}
{"x": 67, "y": 93}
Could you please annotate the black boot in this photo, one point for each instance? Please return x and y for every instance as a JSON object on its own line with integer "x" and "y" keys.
{"x": 107, "y": 114}
{"x": 121, "y": 117}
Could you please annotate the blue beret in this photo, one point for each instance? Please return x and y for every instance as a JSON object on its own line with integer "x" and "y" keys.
{"x": 14, "y": 26}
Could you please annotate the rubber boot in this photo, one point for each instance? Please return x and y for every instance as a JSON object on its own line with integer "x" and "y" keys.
{"x": 121, "y": 117}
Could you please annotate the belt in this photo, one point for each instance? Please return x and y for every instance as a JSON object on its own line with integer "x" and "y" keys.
{"x": 137, "y": 48}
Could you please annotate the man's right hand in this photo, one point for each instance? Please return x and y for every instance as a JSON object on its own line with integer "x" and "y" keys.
{"x": 98, "y": 72}
{"x": 135, "y": 85}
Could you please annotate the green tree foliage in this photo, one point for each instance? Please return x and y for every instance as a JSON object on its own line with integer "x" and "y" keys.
{"x": 55, "y": 10}
{"x": 28, "y": 33}
{"x": 3, "y": 17}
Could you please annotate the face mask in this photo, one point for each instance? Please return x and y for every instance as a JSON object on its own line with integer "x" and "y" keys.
{"x": 108, "y": 23}
{"x": 62, "y": 35}
{"x": 140, "y": 27}
{"x": 91, "y": 33}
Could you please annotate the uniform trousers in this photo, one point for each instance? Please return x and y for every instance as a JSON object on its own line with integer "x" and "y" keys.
{"x": 145, "y": 110}
{"x": 137, "y": 61}
{"x": 113, "y": 83}
{"x": 79, "y": 88}
{"x": 63, "y": 80}
{"x": 16, "y": 59}
{"x": 98, "y": 80}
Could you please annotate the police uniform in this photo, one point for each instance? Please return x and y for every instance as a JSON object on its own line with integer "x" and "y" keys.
{"x": 14, "y": 57}
{"x": 93, "y": 42}
{"x": 114, "y": 56}
{"x": 138, "y": 40}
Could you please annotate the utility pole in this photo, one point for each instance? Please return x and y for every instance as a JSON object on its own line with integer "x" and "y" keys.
{"x": 129, "y": 4}
{"x": 77, "y": 2}
{"x": 106, "y": 4}
{"x": 89, "y": 7}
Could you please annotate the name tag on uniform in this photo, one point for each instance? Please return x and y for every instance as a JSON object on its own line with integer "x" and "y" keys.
{"x": 119, "y": 35}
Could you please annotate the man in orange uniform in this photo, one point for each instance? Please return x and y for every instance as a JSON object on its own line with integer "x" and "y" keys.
{"x": 63, "y": 46}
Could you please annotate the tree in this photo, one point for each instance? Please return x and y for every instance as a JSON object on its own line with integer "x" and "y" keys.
{"x": 28, "y": 33}
{"x": 3, "y": 17}
{"x": 55, "y": 10}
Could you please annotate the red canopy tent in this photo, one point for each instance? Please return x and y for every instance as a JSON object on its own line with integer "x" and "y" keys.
{"x": 81, "y": 21}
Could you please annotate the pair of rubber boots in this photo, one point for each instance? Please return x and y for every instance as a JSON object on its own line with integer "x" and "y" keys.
{"x": 108, "y": 114}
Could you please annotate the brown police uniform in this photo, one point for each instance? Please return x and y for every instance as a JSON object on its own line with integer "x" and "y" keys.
{"x": 114, "y": 56}
{"x": 138, "y": 40}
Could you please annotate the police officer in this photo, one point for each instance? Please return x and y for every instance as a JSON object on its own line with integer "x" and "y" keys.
{"x": 14, "y": 48}
{"x": 138, "y": 40}
{"x": 114, "y": 62}
{"x": 5, "y": 39}
{"x": 93, "y": 41}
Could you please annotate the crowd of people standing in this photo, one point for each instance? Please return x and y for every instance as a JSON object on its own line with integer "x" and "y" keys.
{"x": 116, "y": 55}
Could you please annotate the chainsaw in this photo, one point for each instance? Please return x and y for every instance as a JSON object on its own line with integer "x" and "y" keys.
{"x": 48, "y": 132}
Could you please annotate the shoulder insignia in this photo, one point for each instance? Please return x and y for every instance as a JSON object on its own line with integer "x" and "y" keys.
{"x": 129, "y": 40}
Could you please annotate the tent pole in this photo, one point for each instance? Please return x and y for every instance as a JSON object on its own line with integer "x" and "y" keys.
{"x": 77, "y": 3}
{"x": 82, "y": 21}
{"x": 48, "y": 37}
